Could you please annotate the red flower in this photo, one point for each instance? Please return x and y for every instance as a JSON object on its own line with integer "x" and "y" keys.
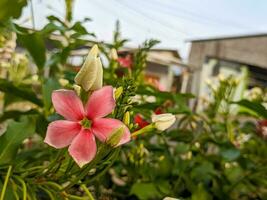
{"x": 138, "y": 119}
{"x": 158, "y": 111}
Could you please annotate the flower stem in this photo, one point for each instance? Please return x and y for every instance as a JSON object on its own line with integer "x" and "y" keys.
{"x": 24, "y": 187}
{"x": 5, "y": 183}
{"x": 148, "y": 128}
{"x": 87, "y": 191}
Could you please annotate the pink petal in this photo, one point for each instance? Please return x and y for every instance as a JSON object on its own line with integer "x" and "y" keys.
{"x": 60, "y": 133}
{"x": 68, "y": 104}
{"x": 83, "y": 147}
{"x": 101, "y": 103}
{"x": 103, "y": 127}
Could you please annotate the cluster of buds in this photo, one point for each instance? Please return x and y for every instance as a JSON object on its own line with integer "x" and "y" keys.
{"x": 18, "y": 68}
{"x": 8, "y": 47}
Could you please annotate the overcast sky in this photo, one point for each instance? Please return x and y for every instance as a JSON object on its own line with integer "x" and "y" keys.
{"x": 171, "y": 21}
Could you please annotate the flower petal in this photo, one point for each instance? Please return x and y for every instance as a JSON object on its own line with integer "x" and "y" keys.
{"x": 100, "y": 103}
{"x": 103, "y": 127}
{"x": 60, "y": 133}
{"x": 68, "y": 104}
{"x": 83, "y": 147}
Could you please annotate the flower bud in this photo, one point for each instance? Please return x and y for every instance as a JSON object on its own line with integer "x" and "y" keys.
{"x": 90, "y": 76}
{"x": 19, "y": 68}
{"x": 126, "y": 118}
{"x": 77, "y": 89}
{"x": 118, "y": 92}
{"x": 115, "y": 137}
{"x": 63, "y": 82}
{"x": 113, "y": 54}
{"x": 221, "y": 77}
{"x": 163, "y": 121}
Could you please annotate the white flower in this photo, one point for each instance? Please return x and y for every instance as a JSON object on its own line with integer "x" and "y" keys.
{"x": 90, "y": 76}
{"x": 163, "y": 121}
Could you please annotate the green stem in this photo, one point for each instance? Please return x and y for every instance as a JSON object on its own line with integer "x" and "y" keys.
{"x": 54, "y": 163}
{"x": 75, "y": 197}
{"x": 47, "y": 192}
{"x": 87, "y": 191}
{"x": 15, "y": 189}
{"x": 148, "y": 128}
{"x": 24, "y": 187}
{"x": 5, "y": 183}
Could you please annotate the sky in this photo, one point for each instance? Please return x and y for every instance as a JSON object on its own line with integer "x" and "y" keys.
{"x": 173, "y": 22}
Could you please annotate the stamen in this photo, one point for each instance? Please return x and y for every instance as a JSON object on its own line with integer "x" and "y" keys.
{"x": 86, "y": 123}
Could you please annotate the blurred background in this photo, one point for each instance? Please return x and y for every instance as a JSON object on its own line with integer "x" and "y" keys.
{"x": 199, "y": 39}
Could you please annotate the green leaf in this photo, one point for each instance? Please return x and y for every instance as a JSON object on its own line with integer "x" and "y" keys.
{"x": 230, "y": 154}
{"x": 51, "y": 27}
{"x": 182, "y": 148}
{"x": 201, "y": 194}
{"x": 19, "y": 91}
{"x": 34, "y": 43}
{"x": 14, "y": 114}
{"x": 11, "y": 8}
{"x": 145, "y": 191}
{"x": 79, "y": 28}
{"x": 253, "y": 106}
{"x": 11, "y": 140}
{"x": 203, "y": 171}
{"x": 48, "y": 87}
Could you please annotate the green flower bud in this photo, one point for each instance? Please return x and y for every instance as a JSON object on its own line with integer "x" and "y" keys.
{"x": 118, "y": 92}
{"x": 126, "y": 118}
{"x": 115, "y": 137}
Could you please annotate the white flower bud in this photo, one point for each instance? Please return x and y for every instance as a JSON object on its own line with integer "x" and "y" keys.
{"x": 113, "y": 54}
{"x": 63, "y": 82}
{"x": 90, "y": 76}
{"x": 163, "y": 121}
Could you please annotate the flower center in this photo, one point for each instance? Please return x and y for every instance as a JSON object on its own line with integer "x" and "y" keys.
{"x": 86, "y": 123}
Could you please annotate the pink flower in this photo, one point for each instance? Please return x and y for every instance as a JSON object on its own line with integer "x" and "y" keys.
{"x": 83, "y": 123}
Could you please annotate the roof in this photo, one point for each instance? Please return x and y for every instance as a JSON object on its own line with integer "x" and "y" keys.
{"x": 228, "y": 37}
{"x": 161, "y": 56}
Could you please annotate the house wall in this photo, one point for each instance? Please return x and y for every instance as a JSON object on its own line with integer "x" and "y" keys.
{"x": 246, "y": 50}
{"x": 162, "y": 72}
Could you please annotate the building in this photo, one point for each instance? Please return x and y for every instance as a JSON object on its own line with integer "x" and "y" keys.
{"x": 164, "y": 68}
{"x": 228, "y": 55}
